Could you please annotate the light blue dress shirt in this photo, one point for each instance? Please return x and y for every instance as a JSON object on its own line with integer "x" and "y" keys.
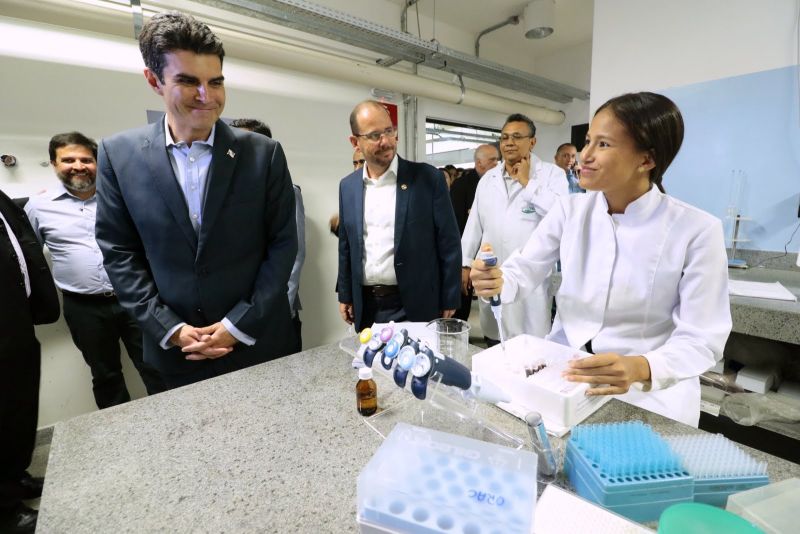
{"x": 191, "y": 165}
{"x": 65, "y": 224}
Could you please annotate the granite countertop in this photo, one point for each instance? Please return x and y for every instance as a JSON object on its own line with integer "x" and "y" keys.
{"x": 274, "y": 448}
{"x": 771, "y": 319}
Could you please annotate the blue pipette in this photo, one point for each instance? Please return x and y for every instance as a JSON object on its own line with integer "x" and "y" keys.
{"x": 490, "y": 260}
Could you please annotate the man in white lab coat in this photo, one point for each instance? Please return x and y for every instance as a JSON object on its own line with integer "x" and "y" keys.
{"x": 510, "y": 201}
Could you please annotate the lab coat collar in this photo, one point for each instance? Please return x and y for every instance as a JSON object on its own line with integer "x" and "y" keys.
{"x": 640, "y": 209}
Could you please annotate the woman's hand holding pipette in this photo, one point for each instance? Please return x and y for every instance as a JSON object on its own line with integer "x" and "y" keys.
{"x": 487, "y": 281}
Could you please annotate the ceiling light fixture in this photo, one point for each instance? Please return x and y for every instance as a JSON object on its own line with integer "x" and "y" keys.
{"x": 539, "y": 16}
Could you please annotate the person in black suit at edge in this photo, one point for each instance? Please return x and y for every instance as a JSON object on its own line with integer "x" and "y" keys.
{"x": 28, "y": 297}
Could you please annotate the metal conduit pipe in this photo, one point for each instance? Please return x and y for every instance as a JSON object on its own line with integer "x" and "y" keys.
{"x": 295, "y": 58}
{"x": 490, "y": 29}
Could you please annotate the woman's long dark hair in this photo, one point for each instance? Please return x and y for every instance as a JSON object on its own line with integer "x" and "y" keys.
{"x": 654, "y": 123}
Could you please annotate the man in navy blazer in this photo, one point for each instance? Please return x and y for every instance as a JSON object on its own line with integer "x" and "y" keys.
{"x": 399, "y": 245}
{"x": 196, "y": 219}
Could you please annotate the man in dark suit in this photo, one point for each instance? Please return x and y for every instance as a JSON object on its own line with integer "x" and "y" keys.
{"x": 399, "y": 247}
{"x": 196, "y": 219}
{"x": 28, "y": 298}
{"x": 462, "y": 195}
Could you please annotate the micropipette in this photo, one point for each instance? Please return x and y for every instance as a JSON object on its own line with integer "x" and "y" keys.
{"x": 490, "y": 260}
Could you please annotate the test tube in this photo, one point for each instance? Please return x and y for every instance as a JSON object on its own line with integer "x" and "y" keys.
{"x": 546, "y": 466}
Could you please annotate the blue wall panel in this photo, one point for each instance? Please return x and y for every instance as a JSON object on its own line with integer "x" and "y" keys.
{"x": 749, "y": 123}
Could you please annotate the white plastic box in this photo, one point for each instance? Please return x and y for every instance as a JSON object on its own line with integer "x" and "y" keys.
{"x": 530, "y": 371}
{"x": 423, "y": 480}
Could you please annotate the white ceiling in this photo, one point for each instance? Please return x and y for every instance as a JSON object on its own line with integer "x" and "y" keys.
{"x": 573, "y": 23}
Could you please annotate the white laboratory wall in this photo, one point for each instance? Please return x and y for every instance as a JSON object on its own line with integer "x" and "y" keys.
{"x": 307, "y": 115}
{"x": 70, "y": 79}
{"x": 731, "y": 66}
{"x": 651, "y": 44}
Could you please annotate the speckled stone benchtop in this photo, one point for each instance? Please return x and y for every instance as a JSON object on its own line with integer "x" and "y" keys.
{"x": 771, "y": 319}
{"x": 273, "y": 448}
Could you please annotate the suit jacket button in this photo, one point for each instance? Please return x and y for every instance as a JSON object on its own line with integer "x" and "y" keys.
{"x": 199, "y": 310}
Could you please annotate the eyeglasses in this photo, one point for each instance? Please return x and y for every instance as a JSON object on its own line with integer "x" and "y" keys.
{"x": 514, "y": 137}
{"x": 357, "y": 162}
{"x": 376, "y": 136}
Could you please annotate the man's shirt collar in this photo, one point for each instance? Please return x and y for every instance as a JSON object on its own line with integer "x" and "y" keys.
{"x": 60, "y": 191}
{"x": 169, "y": 141}
{"x": 392, "y": 169}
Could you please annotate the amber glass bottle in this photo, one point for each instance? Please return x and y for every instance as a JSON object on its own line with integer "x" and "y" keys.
{"x": 366, "y": 392}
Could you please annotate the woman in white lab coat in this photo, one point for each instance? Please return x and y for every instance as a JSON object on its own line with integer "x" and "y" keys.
{"x": 644, "y": 275}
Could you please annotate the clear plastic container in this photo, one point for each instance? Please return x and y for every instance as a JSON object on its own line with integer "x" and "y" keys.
{"x": 423, "y": 480}
{"x": 773, "y": 508}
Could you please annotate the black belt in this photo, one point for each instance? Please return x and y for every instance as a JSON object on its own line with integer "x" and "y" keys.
{"x": 381, "y": 291}
{"x": 104, "y": 296}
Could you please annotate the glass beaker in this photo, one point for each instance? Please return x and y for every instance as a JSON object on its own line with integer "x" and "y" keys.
{"x": 452, "y": 337}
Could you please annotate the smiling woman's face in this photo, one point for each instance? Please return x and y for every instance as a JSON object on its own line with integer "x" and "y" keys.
{"x": 610, "y": 161}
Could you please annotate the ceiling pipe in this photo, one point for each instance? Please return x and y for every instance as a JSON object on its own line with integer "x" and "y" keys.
{"x": 509, "y": 21}
{"x": 287, "y": 56}
{"x": 389, "y": 61}
{"x": 294, "y": 58}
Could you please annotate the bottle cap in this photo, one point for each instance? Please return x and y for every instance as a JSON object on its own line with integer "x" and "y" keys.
{"x": 365, "y": 373}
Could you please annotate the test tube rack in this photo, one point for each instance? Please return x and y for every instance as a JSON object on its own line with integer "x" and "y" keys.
{"x": 423, "y": 480}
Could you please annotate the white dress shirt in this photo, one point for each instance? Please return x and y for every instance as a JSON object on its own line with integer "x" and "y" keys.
{"x": 380, "y": 196}
{"x": 65, "y": 224}
{"x": 652, "y": 281}
{"x": 505, "y": 214}
{"x": 23, "y": 266}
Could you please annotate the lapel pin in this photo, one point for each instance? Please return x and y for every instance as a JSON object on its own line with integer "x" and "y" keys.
{"x": 403, "y": 186}
{"x": 231, "y": 153}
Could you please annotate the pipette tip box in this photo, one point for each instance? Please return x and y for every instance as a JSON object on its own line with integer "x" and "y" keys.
{"x": 423, "y": 480}
{"x": 529, "y": 369}
{"x": 719, "y": 467}
{"x": 628, "y": 468}
{"x": 631, "y": 470}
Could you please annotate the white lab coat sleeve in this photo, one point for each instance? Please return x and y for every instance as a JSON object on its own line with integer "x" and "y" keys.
{"x": 550, "y": 184}
{"x": 473, "y": 231}
{"x": 702, "y": 316}
{"x": 525, "y": 270}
